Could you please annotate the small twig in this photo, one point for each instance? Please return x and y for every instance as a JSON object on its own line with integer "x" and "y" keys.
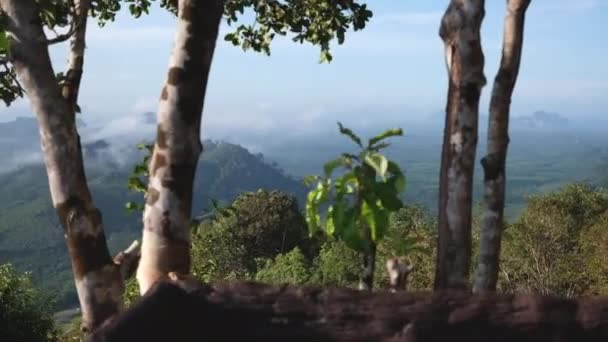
{"x": 128, "y": 260}
{"x": 74, "y": 26}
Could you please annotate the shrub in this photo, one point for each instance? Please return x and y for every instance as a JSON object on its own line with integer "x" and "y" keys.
{"x": 25, "y": 312}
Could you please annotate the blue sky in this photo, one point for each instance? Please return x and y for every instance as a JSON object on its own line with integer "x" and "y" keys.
{"x": 393, "y": 71}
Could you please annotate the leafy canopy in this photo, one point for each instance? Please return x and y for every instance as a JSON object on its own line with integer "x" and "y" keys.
{"x": 362, "y": 197}
{"x": 317, "y": 22}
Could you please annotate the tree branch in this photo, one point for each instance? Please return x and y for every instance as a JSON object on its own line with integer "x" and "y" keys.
{"x": 60, "y": 38}
{"x": 495, "y": 160}
{"x": 128, "y": 260}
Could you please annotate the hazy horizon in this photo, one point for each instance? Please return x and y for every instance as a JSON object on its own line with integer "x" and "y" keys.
{"x": 390, "y": 74}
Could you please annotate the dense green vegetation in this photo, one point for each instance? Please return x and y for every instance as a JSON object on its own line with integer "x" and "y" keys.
{"x": 31, "y": 238}
{"x": 557, "y": 246}
{"x": 25, "y": 312}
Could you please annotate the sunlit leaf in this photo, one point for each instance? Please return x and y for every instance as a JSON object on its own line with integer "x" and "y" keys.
{"x": 350, "y": 134}
{"x": 386, "y": 134}
{"x": 378, "y": 162}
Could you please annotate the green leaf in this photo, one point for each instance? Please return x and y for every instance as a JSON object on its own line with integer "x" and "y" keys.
{"x": 378, "y": 162}
{"x": 350, "y": 232}
{"x": 4, "y": 42}
{"x": 312, "y": 214}
{"x": 131, "y": 206}
{"x": 330, "y": 227}
{"x": 386, "y": 134}
{"x": 397, "y": 180}
{"x": 350, "y": 134}
{"x": 310, "y": 180}
{"x": 336, "y": 163}
{"x": 388, "y": 196}
{"x": 325, "y": 57}
{"x": 376, "y": 217}
{"x": 346, "y": 184}
{"x": 338, "y": 215}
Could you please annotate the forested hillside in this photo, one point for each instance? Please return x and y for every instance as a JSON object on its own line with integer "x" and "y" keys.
{"x": 32, "y": 239}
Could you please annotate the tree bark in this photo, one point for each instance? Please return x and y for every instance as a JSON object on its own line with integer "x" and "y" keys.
{"x": 166, "y": 232}
{"x": 496, "y": 155}
{"x": 71, "y": 86}
{"x": 98, "y": 279}
{"x": 460, "y": 28}
{"x": 369, "y": 267}
{"x": 256, "y": 312}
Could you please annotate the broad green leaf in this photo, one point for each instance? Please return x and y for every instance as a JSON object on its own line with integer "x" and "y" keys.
{"x": 346, "y": 184}
{"x": 351, "y": 232}
{"x": 336, "y": 163}
{"x": 386, "y": 134}
{"x": 312, "y": 214}
{"x": 388, "y": 195}
{"x": 338, "y": 215}
{"x": 4, "y": 42}
{"x": 378, "y": 162}
{"x": 350, "y": 134}
{"x": 322, "y": 191}
{"x": 397, "y": 179}
{"x": 310, "y": 180}
{"x": 330, "y": 227}
{"x": 375, "y": 216}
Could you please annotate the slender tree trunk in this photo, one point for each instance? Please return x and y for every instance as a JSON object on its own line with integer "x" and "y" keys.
{"x": 498, "y": 139}
{"x": 366, "y": 283}
{"x": 460, "y": 28}
{"x": 98, "y": 278}
{"x": 166, "y": 233}
{"x": 369, "y": 265}
{"x": 71, "y": 85}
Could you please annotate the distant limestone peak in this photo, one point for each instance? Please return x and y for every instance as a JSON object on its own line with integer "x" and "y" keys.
{"x": 540, "y": 120}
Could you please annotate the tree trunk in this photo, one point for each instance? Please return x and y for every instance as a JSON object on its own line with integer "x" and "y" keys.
{"x": 256, "y": 312}
{"x": 98, "y": 279}
{"x": 498, "y": 139}
{"x": 71, "y": 85}
{"x": 460, "y": 28}
{"x": 369, "y": 266}
{"x": 166, "y": 232}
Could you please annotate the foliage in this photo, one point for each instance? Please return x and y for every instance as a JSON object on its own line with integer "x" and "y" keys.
{"x": 336, "y": 265}
{"x": 131, "y": 293}
{"x": 138, "y": 179}
{"x": 260, "y": 226}
{"x": 292, "y": 267}
{"x": 412, "y": 234}
{"x": 318, "y": 22}
{"x": 25, "y": 313}
{"x": 361, "y": 198}
{"x": 557, "y": 245}
{"x": 32, "y": 239}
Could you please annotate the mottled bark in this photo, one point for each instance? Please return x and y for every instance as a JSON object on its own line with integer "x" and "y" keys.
{"x": 369, "y": 265}
{"x": 498, "y": 139}
{"x": 255, "y": 312}
{"x": 97, "y": 277}
{"x": 460, "y": 28}
{"x": 166, "y": 233}
{"x": 71, "y": 84}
